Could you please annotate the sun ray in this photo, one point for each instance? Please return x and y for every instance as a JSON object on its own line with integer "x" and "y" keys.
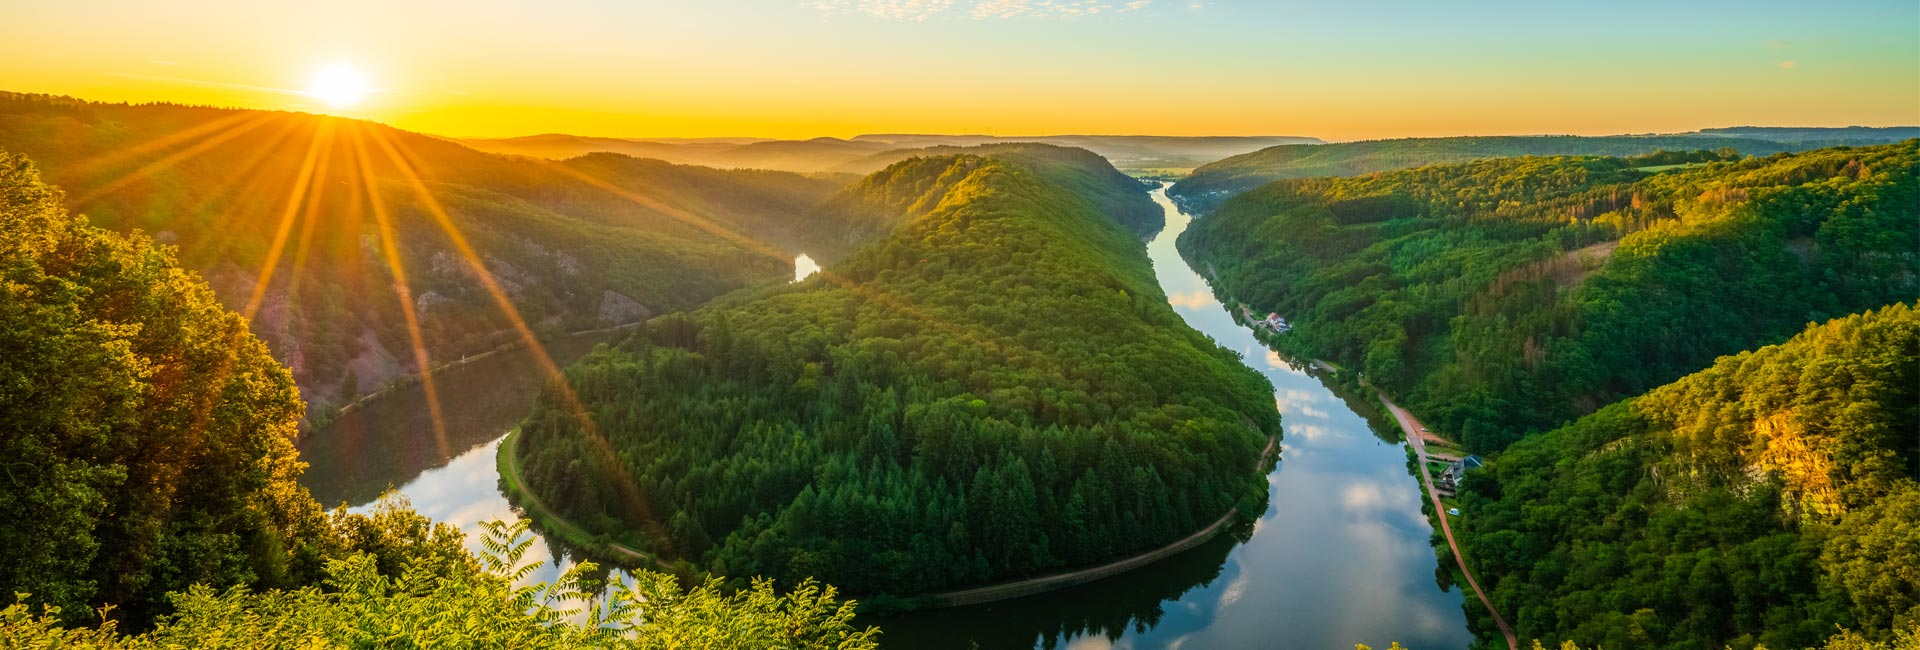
{"x": 321, "y": 136}
{"x": 203, "y": 412}
{"x": 390, "y": 250}
{"x": 721, "y": 230}
{"x": 170, "y": 160}
{"x": 221, "y": 234}
{"x": 315, "y": 192}
{"x": 570, "y": 400}
{"x": 92, "y": 165}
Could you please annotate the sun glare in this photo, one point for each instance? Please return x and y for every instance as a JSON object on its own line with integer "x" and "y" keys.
{"x": 338, "y": 86}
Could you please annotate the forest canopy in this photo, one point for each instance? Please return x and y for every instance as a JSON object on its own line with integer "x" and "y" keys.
{"x": 1212, "y": 184}
{"x": 150, "y": 481}
{"x": 996, "y": 388}
{"x": 1505, "y": 296}
{"x": 1764, "y": 500}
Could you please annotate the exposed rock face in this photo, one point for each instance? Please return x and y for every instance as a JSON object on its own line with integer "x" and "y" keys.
{"x": 616, "y": 309}
{"x": 425, "y": 302}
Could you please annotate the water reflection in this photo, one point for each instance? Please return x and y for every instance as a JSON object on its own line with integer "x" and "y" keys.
{"x": 803, "y": 266}
{"x": 390, "y": 441}
{"x": 1339, "y": 557}
{"x": 389, "y": 444}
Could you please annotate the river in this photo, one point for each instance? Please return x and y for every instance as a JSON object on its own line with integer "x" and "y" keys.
{"x": 1340, "y": 556}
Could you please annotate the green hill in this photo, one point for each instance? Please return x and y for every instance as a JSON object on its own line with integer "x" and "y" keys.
{"x": 1505, "y": 296}
{"x": 995, "y": 388}
{"x": 1211, "y": 184}
{"x": 884, "y": 199}
{"x": 151, "y": 486}
{"x": 575, "y": 244}
{"x": 1765, "y": 500}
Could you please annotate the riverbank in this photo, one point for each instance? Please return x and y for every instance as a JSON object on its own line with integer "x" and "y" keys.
{"x": 1062, "y": 580}
{"x": 1417, "y": 441}
{"x": 514, "y": 487}
{"x": 404, "y": 381}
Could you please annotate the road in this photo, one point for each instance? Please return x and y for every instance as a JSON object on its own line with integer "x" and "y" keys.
{"x": 1412, "y": 427}
{"x": 1030, "y": 586}
{"x": 508, "y": 464}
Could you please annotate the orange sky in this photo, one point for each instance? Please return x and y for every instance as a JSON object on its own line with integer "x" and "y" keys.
{"x": 778, "y": 68}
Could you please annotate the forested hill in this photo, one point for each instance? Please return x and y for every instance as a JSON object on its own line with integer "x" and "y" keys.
{"x": 995, "y": 389}
{"x": 1505, "y": 296}
{"x": 1764, "y": 500}
{"x": 574, "y": 244}
{"x": 915, "y": 181}
{"x": 1211, "y": 184}
{"x": 151, "y": 487}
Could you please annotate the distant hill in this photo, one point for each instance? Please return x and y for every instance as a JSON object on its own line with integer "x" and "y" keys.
{"x": 866, "y": 154}
{"x": 1132, "y": 153}
{"x": 583, "y": 243}
{"x": 1211, "y": 184}
{"x": 801, "y": 156}
{"x": 1820, "y": 137}
{"x": 1765, "y": 499}
{"x": 818, "y": 154}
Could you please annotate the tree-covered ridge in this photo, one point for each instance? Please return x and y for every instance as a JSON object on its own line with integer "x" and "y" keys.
{"x": 1506, "y": 296}
{"x": 575, "y": 244}
{"x": 146, "y": 443}
{"x": 995, "y": 389}
{"x": 1211, "y": 184}
{"x": 1764, "y": 500}
{"x": 915, "y": 182}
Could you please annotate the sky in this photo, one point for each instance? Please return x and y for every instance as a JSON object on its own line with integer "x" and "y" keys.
{"x": 1348, "y": 70}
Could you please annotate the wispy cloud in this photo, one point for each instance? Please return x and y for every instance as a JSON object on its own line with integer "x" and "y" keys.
{"x": 919, "y": 10}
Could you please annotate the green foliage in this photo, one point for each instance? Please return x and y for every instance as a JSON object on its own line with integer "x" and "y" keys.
{"x": 147, "y": 436}
{"x": 362, "y": 606}
{"x": 1211, "y": 184}
{"x": 150, "y": 472}
{"x": 1505, "y": 296}
{"x": 1764, "y": 500}
{"x": 995, "y": 389}
{"x": 576, "y": 244}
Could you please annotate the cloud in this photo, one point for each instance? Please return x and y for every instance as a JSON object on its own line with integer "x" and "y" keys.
{"x": 1197, "y": 299}
{"x": 919, "y": 10}
{"x": 913, "y": 10}
{"x": 1787, "y": 64}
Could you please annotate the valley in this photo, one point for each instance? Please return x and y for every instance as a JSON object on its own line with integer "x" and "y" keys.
{"x": 1340, "y": 508}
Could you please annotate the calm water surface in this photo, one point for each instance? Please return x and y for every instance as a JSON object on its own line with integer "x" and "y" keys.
{"x": 1339, "y": 557}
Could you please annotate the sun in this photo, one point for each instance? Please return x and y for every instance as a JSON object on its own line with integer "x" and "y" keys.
{"x": 338, "y": 85}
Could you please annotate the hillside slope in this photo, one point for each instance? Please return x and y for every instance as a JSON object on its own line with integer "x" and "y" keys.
{"x": 571, "y": 245}
{"x": 1505, "y": 296}
{"x": 1211, "y": 184}
{"x": 1765, "y": 500}
{"x": 902, "y": 191}
{"x": 995, "y": 388}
